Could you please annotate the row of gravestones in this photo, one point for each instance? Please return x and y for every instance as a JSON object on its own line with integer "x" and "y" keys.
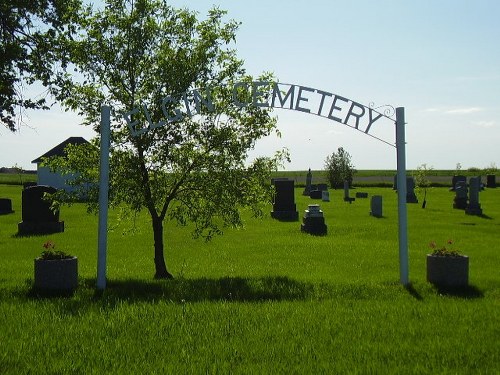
{"x": 468, "y": 199}
{"x": 37, "y": 215}
{"x": 320, "y": 191}
{"x": 313, "y": 221}
{"x": 465, "y": 199}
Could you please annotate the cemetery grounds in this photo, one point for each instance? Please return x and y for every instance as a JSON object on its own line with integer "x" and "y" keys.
{"x": 263, "y": 299}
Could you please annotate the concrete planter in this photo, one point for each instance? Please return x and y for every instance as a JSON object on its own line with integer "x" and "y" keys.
{"x": 56, "y": 275}
{"x": 448, "y": 271}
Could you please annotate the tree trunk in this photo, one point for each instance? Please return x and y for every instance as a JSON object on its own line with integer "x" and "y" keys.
{"x": 160, "y": 266}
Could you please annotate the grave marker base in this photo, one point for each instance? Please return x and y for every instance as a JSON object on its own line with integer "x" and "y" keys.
{"x": 27, "y": 227}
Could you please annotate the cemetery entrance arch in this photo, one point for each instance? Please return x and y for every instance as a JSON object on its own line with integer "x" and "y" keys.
{"x": 333, "y": 107}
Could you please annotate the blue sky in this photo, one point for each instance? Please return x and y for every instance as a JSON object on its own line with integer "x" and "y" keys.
{"x": 437, "y": 58}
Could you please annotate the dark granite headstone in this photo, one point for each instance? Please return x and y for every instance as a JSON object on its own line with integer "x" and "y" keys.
{"x": 473, "y": 207}
{"x": 347, "y": 198}
{"x": 37, "y": 217}
{"x": 315, "y": 194}
{"x": 284, "y": 207}
{"x": 461, "y": 195}
{"x": 491, "y": 181}
{"x": 361, "y": 194}
{"x": 410, "y": 190}
{"x": 5, "y": 206}
{"x": 313, "y": 221}
{"x": 322, "y": 187}
{"x": 455, "y": 180}
{"x": 307, "y": 189}
{"x": 376, "y": 206}
{"x": 29, "y": 184}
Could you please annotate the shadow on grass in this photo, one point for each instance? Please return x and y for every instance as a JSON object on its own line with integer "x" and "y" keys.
{"x": 26, "y": 235}
{"x": 467, "y": 292}
{"x": 274, "y": 288}
{"x": 413, "y": 292}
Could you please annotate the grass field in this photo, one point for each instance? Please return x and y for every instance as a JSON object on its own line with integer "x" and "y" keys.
{"x": 263, "y": 299}
{"x": 16, "y": 179}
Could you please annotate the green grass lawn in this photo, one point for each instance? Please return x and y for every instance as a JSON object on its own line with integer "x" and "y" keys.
{"x": 263, "y": 299}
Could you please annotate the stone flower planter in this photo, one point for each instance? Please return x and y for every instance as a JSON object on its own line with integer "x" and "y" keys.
{"x": 448, "y": 271}
{"x": 56, "y": 275}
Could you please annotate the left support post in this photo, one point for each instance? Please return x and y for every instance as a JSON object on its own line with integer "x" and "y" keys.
{"x": 103, "y": 197}
{"x": 401, "y": 186}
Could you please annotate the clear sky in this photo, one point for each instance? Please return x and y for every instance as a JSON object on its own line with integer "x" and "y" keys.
{"x": 437, "y": 58}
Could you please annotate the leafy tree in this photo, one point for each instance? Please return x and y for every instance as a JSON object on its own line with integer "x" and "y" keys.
{"x": 339, "y": 168}
{"x": 133, "y": 54}
{"x": 421, "y": 180}
{"x": 29, "y": 31}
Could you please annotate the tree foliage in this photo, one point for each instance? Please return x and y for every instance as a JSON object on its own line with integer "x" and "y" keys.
{"x": 132, "y": 54}
{"x": 29, "y": 51}
{"x": 339, "y": 168}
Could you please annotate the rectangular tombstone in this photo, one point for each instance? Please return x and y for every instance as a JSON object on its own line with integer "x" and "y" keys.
{"x": 461, "y": 195}
{"x": 284, "y": 207}
{"x": 347, "y": 198}
{"x": 376, "y": 206}
{"x": 361, "y": 194}
{"x": 37, "y": 216}
{"x": 491, "y": 181}
{"x": 322, "y": 187}
{"x": 473, "y": 207}
{"x": 410, "y": 190}
{"x": 456, "y": 179}
{"x": 5, "y": 206}
{"x": 315, "y": 194}
{"x": 325, "y": 196}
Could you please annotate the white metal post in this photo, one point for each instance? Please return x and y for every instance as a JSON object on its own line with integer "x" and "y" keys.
{"x": 103, "y": 197}
{"x": 401, "y": 186}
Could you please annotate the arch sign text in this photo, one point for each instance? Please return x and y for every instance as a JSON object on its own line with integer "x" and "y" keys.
{"x": 260, "y": 94}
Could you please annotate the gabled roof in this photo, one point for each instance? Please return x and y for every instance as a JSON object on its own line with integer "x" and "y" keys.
{"x": 59, "y": 149}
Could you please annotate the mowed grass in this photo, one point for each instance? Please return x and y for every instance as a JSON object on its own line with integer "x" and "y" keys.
{"x": 263, "y": 299}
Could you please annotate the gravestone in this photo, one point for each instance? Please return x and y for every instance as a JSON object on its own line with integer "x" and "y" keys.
{"x": 284, "y": 207}
{"x": 473, "y": 207}
{"x": 29, "y": 184}
{"x": 410, "y": 190}
{"x": 37, "y": 217}
{"x": 315, "y": 194}
{"x": 5, "y": 206}
{"x": 316, "y": 191}
{"x": 307, "y": 189}
{"x": 313, "y": 221}
{"x": 376, "y": 206}
{"x": 322, "y": 187}
{"x": 455, "y": 180}
{"x": 361, "y": 194}
{"x": 491, "y": 181}
{"x": 461, "y": 195}
{"x": 325, "y": 196}
{"x": 347, "y": 198}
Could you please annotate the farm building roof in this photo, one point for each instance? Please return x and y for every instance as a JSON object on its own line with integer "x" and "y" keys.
{"x": 59, "y": 149}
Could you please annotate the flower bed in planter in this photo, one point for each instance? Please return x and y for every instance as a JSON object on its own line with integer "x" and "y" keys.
{"x": 56, "y": 275}
{"x": 448, "y": 271}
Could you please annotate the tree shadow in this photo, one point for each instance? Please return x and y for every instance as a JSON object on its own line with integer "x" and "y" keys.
{"x": 275, "y": 288}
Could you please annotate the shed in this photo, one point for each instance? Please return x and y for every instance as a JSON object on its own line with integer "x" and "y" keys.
{"x": 55, "y": 179}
